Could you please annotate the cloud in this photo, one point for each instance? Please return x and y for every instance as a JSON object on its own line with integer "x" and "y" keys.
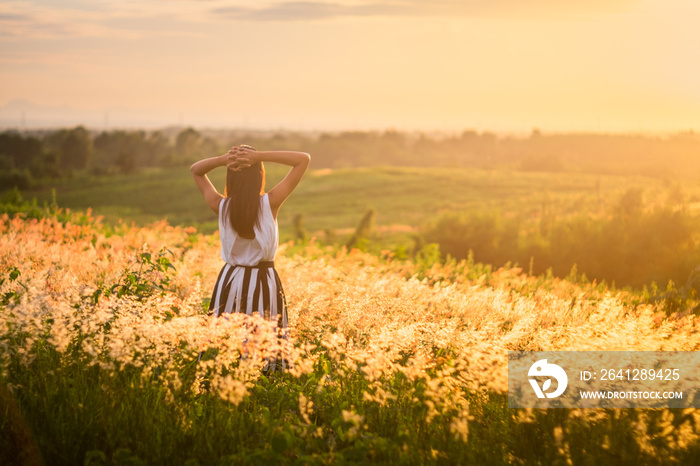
{"x": 13, "y": 17}
{"x": 529, "y": 9}
{"x": 134, "y": 19}
{"x": 304, "y": 11}
{"x": 23, "y": 21}
{"x": 124, "y": 19}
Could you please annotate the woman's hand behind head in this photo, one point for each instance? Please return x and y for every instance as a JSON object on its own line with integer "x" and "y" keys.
{"x": 240, "y": 157}
{"x": 237, "y": 162}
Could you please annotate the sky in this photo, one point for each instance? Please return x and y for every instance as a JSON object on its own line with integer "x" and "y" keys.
{"x": 502, "y": 65}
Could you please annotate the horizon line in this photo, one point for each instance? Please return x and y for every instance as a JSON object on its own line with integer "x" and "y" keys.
{"x": 337, "y": 130}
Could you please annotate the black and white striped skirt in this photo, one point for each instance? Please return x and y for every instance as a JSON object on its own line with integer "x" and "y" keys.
{"x": 252, "y": 289}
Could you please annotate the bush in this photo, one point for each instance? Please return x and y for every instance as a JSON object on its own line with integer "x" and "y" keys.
{"x": 634, "y": 248}
{"x": 15, "y": 178}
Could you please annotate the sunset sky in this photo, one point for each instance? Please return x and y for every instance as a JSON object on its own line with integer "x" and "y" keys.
{"x": 504, "y": 65}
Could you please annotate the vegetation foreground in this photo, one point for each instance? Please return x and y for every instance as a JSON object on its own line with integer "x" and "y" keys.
{"x": 395, "y": 361}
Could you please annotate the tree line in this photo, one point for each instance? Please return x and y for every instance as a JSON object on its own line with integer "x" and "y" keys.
{"x": 26, "y": 157}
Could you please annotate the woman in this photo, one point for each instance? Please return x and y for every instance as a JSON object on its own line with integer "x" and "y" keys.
{"x": 248, "y": 281}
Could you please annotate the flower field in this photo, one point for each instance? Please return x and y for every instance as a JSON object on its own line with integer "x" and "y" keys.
{"x": 108, "y": 356}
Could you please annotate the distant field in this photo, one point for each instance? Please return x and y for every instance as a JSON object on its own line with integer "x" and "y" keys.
{"x": 404, "y": 198}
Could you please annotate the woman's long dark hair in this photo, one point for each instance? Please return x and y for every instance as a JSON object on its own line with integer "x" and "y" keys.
{"x": 243, "y": 189}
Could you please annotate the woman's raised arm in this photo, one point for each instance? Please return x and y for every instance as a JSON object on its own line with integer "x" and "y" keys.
{"x": 199, "y": 171}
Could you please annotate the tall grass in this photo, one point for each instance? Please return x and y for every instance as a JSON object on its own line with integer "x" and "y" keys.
{"x": 393, "y": 362}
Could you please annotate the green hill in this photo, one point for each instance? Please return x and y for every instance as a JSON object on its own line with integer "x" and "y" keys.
{"x": 337, "y": 199}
